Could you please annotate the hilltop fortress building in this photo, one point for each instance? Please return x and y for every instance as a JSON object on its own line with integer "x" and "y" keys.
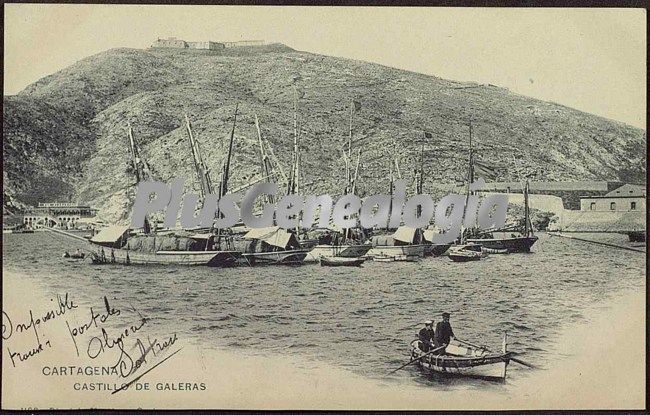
{"x": 174, "y": 43}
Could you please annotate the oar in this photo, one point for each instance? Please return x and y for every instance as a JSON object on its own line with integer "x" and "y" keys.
{"x": 521, "y": 362}
{"x": 514, "y": 359}
{"x": 415, "y": 360}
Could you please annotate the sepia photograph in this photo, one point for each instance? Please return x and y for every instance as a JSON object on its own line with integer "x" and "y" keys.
{"x": 323, "y": 207}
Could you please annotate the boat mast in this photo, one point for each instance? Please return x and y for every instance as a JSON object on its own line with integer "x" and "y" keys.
{"x": 140, "y": 169}
{"x": 353, "y": 186}
{"x": 201, "y": 168}
{"x": 140, "y": 166}
{"x": 223, "y": 188}
{"x": 528, "y": 226}
{"x": 293, "y": 178}
{"x": 297, "y": 174}
{"x": 134, "y": 156}
{"x": 470, "y": 180}
{"x": 277, "y": 163}
{"x": 419, "y": 185}
{"x": 267, "y": 167}
{"x": 348, "y": 159}
{"x": 390, "y": 206}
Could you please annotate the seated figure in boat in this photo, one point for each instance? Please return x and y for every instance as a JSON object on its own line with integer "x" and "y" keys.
{"x": 426, "y": 336}
{"x": 444, "y": 332}
{"x": 77, "y": 254}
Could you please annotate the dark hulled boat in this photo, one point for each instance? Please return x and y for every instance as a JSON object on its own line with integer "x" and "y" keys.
{"x": 466, "y": 252}
{"x": 513, "y": 243}
{"x": 341, "y": 262}
{"x": 270, "y": 246}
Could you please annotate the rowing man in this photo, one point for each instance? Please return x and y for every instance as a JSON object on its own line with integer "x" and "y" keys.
{"x": 444, "y": 332}
{"x": 426, "y": 336}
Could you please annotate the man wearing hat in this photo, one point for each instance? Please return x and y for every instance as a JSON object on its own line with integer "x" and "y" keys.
{"x": 444, "y": 332}
{"x": 426, "y": 336}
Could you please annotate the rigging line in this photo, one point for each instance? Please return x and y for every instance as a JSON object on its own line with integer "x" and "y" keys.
{"x": 56, "y": 237}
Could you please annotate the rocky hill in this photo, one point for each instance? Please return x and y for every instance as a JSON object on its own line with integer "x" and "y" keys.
{"x": 65, "y": 136}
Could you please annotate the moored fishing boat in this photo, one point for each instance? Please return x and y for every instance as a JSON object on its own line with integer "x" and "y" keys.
{"x": 436, "y": 249}
{"x": 494, "y": 250}
{"x": 341, "y": 262}
{"x": 407, "y": 258}
{"x": 393, "y": 251}
{"x": 512, "y": 242}
{"x": 404, "y": 242}
{"x": 291, "y": 257}
{"x": 74, "y": 255}
{"x": 466, "y": 252}
{"x": 337, "y": 251}
{"x": 383, "y": 258}
{"x": 433, "y": 249}
{"x": 270, "y": 246}
{"x": 20, "y": 230}
{"x": 114, "y": 245}
{"x": 102, "y": 255}
{"x": 460, "y": 360}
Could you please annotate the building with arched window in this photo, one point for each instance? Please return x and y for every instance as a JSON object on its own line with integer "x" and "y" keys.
{"x": 57, "y": 215}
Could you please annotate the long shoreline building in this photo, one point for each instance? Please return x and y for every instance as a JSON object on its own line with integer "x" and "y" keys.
{"x": 59, "y": 215}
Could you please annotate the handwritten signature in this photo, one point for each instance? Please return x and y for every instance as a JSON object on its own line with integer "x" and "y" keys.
{"x": 128, "y": 363}
{"x": 8, "y": 329}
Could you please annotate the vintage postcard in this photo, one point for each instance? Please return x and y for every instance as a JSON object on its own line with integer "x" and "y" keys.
{"x": 256, "y": 207}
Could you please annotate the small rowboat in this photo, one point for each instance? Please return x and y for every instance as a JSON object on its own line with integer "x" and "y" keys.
{"x": 407, "y": 258}
{"x": 383, "y": 258}
{"x": 494, "y": 250}
{"x": 464, "y": 361}
{"x": 74, "y": 255}
{"x": 341, "y": 262}
{"x": 466, "y": 252}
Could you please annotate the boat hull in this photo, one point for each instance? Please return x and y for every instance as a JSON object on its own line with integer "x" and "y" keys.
{"x": 341, "y": 262}
{"x": 487, "y": 366}
{"x": 464, "y": 258}
{"x": 466, "y": 253}
{"x": 398, "y": 250}
{"x": 105, "y": 255}
{"x": 436, "y": 249}
{"x": 493, "y": 369}
{"x": 335, "y": 251}
{"x": 513, "y": 245}
{"x": 292, "y": 257}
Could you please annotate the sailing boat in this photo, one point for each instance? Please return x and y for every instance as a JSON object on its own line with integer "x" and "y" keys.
{"x": 465, "y": 250}
{"x": 513, "y": 243}
{"x": 406, "y": 243}
{"x": 120, "y": 245}
{"x": 273, "y": 245}
{"x": 434, "y": 249}
{"x": 342, "y": 244}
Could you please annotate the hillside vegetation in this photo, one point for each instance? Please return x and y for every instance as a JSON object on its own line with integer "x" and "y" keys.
{"x": 65, "y": 136}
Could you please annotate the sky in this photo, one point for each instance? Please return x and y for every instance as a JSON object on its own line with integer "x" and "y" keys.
{"x": 593, "y": 60}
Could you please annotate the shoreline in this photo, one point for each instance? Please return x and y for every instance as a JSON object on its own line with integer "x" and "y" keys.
{"x": 283, "y": 382}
